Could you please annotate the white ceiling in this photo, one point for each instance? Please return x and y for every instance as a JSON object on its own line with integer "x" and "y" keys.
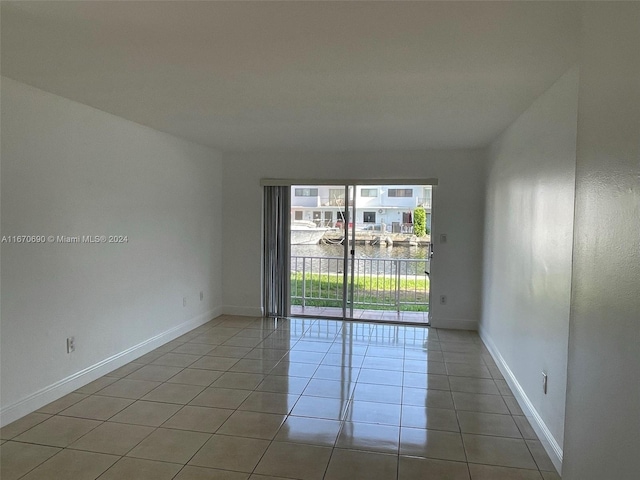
{"x": 322, "y": 76}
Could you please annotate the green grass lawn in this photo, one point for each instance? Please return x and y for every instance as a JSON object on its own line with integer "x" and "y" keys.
{"x": 370, "y": 292}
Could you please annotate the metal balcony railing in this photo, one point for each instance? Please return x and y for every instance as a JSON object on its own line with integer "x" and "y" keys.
{"x": 423, "y": 202}
{"x": 398, "y": 284}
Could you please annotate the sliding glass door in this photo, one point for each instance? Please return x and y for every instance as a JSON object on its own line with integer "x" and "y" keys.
{"x": 360, "y": 251}
{"x": 319, "y": 246}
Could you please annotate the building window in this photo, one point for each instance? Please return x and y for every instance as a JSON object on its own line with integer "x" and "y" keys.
{"x": 401, "y": 192}
{"x": 369, "y": 217}
{"x": 298, "y": 214}
{"x": 369, "y": 192}
{"x": 306, "y": 192}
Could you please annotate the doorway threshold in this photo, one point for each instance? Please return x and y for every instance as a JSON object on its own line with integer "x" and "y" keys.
{"x": 388, "y": 316}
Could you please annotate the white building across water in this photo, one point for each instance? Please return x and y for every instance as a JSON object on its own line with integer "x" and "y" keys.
{"x": 391, "y": 205}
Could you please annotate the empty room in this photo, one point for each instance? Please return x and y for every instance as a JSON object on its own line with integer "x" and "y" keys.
{"x": 320, "y": 240}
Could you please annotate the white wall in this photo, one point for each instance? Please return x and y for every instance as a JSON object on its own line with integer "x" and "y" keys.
{"x": 458, "y": 212}
{"x": 68, "y": 169}
{"x": 602, "y": 432}
{"x": 527, "y": 253}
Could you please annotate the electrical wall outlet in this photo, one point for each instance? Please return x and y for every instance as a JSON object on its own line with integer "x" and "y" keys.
{"x": 71, "y": 344}
{"x": 201, "y": 295}
{"x": 443, "y": 299}
{"x": 443, "y": 238}
{"x": 184, "y": 301}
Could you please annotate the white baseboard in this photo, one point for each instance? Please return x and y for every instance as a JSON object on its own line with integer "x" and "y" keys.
{"x": 550, "y": 444}
{"x": 216, "y": 312}
{"x": 59, "y": 389}
{"x": 453, "y": 323}
{"x": 242, "y": 311}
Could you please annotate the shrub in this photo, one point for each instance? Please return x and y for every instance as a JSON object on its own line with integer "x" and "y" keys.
{"x": 419, "y": 222}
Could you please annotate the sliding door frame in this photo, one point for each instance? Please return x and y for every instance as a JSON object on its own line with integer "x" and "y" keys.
{"x": 345, "y": 257}
{"x": 349, "y": 243}
{"x": 287, "y": 182}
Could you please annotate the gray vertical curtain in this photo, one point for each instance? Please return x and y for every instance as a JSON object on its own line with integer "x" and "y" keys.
{"x": 276, "y": 270}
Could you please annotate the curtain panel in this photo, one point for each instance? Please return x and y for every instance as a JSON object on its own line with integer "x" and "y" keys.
{"x": 276, "y": 254}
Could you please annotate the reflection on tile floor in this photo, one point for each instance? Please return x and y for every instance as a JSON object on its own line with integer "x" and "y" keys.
{"x": 250, "y": 398}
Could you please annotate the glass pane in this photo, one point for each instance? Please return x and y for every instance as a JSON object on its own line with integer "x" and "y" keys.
{"x": 391, "y": 248}
{"x": 388, "y": 230}
{"x": 317, "y": 251}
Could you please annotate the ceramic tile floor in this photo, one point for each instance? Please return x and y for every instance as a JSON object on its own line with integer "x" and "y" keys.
{"x": 246, "y": 398}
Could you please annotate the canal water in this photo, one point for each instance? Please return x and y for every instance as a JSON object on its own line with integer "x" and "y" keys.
{"x": 362, "y": 251}
{"x": 374, "y": 260}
